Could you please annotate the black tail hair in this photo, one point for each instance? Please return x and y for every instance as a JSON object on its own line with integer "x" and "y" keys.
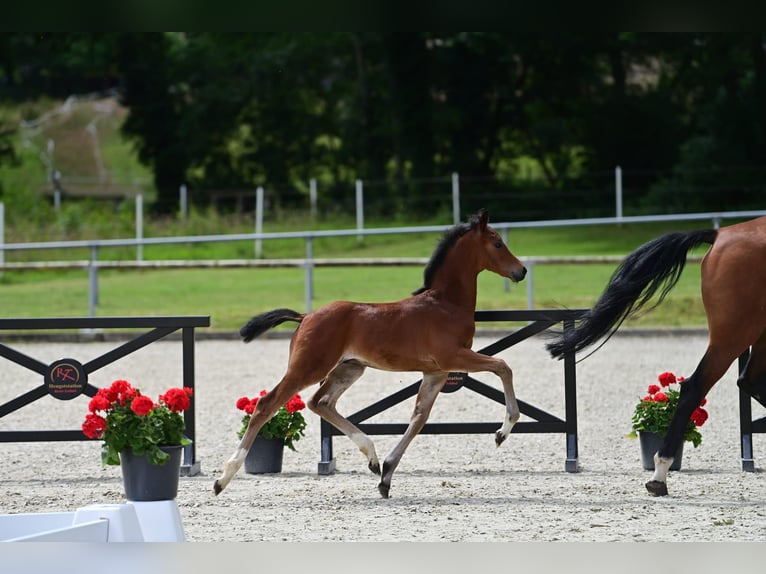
{"x": 653, "y": 266}
{"x": 265, "y": 321}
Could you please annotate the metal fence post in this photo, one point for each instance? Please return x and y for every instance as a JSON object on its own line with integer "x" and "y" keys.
{"x": 139, "y": 227}
{"x": 309, "y": 273}
{"x": 618, "y": 192}
{"x": 530, "y": 280}
{"x": 183, "y": 201}
{"x": 313, "y": 197}
{"x": 258, "y": 221}
{"x": 93, "y": 281}
{"x": 455, "y": 199}
{"x": 359, "y": 209}
{"x": 506, "y": 281}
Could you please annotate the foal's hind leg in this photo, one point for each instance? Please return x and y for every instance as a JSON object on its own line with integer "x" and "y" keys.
{"x": 267, "y": 406}
{"x": 324, "y": 401}
{"x": 429, "y": 390}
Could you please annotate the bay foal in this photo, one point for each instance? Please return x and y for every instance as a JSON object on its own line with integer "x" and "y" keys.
{"x": 431, "y": 331}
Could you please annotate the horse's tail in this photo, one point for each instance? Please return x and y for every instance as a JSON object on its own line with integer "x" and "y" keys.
{"x": 265, "y": 321}
{"x": 653, "y": 266}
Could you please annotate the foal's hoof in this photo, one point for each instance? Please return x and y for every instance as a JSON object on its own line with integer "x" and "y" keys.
{"x": 374, "y": 467}
{"x": 499, "y": 438}
{"x": 383, "y": 489}
{"x": 657, "y": 488}
{"x": 217, "y": 488}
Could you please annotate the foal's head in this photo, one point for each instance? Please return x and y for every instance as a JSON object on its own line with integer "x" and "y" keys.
{"x": 493, "y": 253}
{"x": 488, "y": 248}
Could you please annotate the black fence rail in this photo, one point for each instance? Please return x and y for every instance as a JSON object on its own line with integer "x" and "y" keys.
{"x": 537, "y": 321}
{"x": 67, "y": 378}
{"x": 747, "y": 425}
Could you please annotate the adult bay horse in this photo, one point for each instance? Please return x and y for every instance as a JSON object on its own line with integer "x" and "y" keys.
{"x": 733, "y": 293}
{"x": 431, "y": 331}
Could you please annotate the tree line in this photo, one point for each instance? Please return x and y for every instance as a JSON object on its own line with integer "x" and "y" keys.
{"x": 542, "y": 113}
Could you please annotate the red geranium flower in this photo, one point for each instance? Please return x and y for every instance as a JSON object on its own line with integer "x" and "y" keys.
{"x": 142, "y": 405}
{"x": 134, "y": 421}
{"x": 120, "y": 386}
{"x": 655, "y": 411}
{"x": 98, "y": 403}
{"x": 108, "y": 394}
{"x": 250, "y": 407}
{"x": 286, "y": 424}
{"x": 699, "y": 416}
{"x": 177, "y": 400}
{"x": 295, "y": 404}
{"x": 666, "y": 379}
{"x": 94, "y": 426}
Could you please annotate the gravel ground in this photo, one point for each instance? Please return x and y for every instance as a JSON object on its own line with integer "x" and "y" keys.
{"x": 447, "y": 488}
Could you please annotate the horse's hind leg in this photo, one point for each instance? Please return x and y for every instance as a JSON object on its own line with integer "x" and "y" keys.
{"x": 324, "y": 400}
{"x": 753, "y": 378}
{"x": 429, "y": 389}
{"x": 711, "y": 368}
{"x": 267, "y": 406}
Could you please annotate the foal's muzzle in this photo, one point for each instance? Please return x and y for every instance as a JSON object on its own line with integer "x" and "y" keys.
{"x": 517, "y": 276}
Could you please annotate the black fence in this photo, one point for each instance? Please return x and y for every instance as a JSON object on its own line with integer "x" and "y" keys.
{"x": 537, "y": 321}
{"x": 747, "y": 425}
{"x": 67, "y": 378}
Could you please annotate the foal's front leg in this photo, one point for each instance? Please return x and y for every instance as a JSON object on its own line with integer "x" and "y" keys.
{"x": 429, "y": 389}
{"x": 473, "y": 362}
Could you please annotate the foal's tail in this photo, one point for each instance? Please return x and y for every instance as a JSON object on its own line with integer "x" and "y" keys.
{"x": 653, "y": 266}
{"x": 265, "y": 321}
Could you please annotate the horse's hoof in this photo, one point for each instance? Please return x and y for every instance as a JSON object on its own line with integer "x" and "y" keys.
{"x": 374, "y": 467}
{"x": 657, "y": 488}
{"x": 217, "y": 488}
{"x": 383, "y": 489}
{"x": 499, "y": 438}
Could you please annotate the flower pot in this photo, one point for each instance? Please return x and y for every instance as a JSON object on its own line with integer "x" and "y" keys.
{"x": 144, "y": 481}
{"x": 265, "y": 456}
{"x": 650, "y": 444}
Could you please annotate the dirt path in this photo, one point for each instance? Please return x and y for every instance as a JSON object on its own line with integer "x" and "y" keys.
{"x": 447, "y": 488}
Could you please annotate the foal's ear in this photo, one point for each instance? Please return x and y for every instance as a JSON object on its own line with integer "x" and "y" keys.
{"x": 483, "y": 218}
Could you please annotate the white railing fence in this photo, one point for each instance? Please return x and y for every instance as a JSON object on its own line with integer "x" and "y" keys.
{"x": 308, "y": 263}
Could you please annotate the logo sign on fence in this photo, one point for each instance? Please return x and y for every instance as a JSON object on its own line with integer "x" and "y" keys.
{"x": 65, "y": 379}
{"x": 454, "y": 382}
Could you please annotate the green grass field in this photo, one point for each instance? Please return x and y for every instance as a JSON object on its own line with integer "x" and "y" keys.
{"x": 231, "y": 296}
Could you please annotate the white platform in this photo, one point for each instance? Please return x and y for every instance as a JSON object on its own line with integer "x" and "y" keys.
{"x": 132, "y": 522}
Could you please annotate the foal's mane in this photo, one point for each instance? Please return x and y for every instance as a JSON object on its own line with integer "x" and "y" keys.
{"x": 440, "y": 253}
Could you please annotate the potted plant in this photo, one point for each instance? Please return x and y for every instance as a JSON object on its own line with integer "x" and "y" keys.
{"x": 653, "y": 414}
{"x": 142, "y": 436}
{"x": 284, "y": 429}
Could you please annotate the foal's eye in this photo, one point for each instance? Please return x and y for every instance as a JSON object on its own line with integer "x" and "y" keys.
{"x": 498, "y": 244}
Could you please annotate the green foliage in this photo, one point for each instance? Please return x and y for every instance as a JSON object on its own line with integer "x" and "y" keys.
{"x": 134, "y": 422}
{"x": 654, "y": 412}
{"x": 549, "y": 115}
{"x": 287, "y": 424}
{"x": 141, "y": 434}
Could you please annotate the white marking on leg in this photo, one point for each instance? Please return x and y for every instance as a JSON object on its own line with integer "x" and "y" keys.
{"x": 232, "y": 466}
{"x": 365, "y": 445}
{"x": 661, "y": 468}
